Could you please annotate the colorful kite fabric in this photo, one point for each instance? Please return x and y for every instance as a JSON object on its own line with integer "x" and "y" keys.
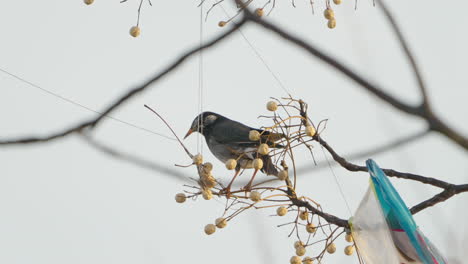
{"x": 384, "y": 229}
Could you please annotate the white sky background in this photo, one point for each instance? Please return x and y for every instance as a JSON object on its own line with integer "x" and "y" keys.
{"x": 64, "y": 202}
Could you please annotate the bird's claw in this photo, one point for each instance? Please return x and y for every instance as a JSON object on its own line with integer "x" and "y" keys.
{"x": 247, "y": 188}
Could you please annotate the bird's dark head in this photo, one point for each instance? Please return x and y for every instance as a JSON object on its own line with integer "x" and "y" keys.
{"x": 203, "y": 122}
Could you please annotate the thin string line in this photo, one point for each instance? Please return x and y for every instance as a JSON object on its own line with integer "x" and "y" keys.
{"x": 198, "y": 90}
{"x": 200, "y": 83}
{"x": 337, "y": 181}
{"x": 81, "y": 105}
{"x": 259, "y": 56}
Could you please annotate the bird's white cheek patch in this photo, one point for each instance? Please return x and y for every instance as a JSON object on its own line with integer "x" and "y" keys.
{"x": 210, "y": 119}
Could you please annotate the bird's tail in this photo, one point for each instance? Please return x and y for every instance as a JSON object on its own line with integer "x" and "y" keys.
{"x": 268, "y": 166}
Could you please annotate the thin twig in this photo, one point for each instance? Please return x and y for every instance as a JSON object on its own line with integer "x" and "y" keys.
{"x": 172, "y": 130}
{"x": 441, "y": 197}
{"x": 409, "y": 54}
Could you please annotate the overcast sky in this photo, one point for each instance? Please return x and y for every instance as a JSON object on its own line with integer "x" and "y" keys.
{"x": 65, "y": 202}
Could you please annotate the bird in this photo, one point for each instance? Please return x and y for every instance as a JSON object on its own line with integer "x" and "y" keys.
{"x": 229, "y": 139}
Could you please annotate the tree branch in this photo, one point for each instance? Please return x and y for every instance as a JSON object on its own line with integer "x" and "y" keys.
{"x": 117, "y": 103}
{"x": 362, "y": 154}
{"x": 435, "y": 123}
{"x": 422, "y": 111}
{"x": 372, "y": 151}
{"x": 438, "y": 125}
{"x": 392, "y": 173}
{"x": 330, "y": 218}
{"x": 409, "y": 55}
{"x": 438, "y": 198}
{"x": 333, "y": 62}
{"x": 449, "y": 189}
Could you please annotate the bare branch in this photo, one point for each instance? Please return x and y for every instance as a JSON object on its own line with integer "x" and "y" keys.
{"x": 434, "y": 122}
{"x": 392, "y": 173}
{"x": 361, "y": 154}
{"x": 449, "y": 189}
{"x": 117, "y": 103}
{"x": 370, "y": 152}
{"x": 408, "y": 53}
{"x": 440, "y": 126}
{"x": 421, "y": 111}
{"x": 443, "y": 196}
{"x": 330, "y": 218}
{"x": 367, "y": 85}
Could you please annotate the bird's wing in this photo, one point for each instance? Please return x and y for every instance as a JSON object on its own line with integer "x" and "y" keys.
{"x": 232, "y": 132}
{"x": 229, "y": 131}
{"x": 267, "y": 136}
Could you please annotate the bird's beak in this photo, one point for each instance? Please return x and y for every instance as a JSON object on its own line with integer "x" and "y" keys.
{"x": 190, "y": 131}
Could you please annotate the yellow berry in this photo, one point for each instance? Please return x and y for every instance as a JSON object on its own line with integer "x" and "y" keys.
{"x": 331, "y": 248}
{"x": 272, "y": 106}
{"x": 259, "y": 12}
{"x": 349, "y": 250}
{"x": 208, "y": 180}
{"x": 349, "y": 238}
{"x": 255, "y": 196}
{"x": 205, "y": 170}
{"x": 222, "y": 23}
{"x": 329, "y": 14}
{"x": 180, "y": 197}
{"x": 283, "y": 175}
{"x": 310, "y": 131}
{"x": 311, "y": 228}
{"x": 204, "y": 173}
{"x": 221, "y": 222}
{"x": 231, "y": 164}
{"x": 254, "y": 135}
{"x": 300, "y": 251}
{"x": 295, "y": 260}
{"x": 308, "y": 260}
{"x": 207, "y": 194}
{"x": 88, "y": 2}
{"x": 331, "y": 23}
{"x": 263, "y": 149}
{"x": 210, "y": 229}
{"x": 337, "y": 2}
{"x": 298, "y": 244}
{"x": 258, "y": 164}
{"x": 207, "y": 166}
{"x": 197, "y": 159}
{"x": 281, "y": 211}
{"x": 304, "y": 215}
{"x": 135, "y": 31}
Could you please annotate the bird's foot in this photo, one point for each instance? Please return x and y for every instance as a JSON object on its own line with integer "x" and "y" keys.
{"x": 247, "y": 188}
